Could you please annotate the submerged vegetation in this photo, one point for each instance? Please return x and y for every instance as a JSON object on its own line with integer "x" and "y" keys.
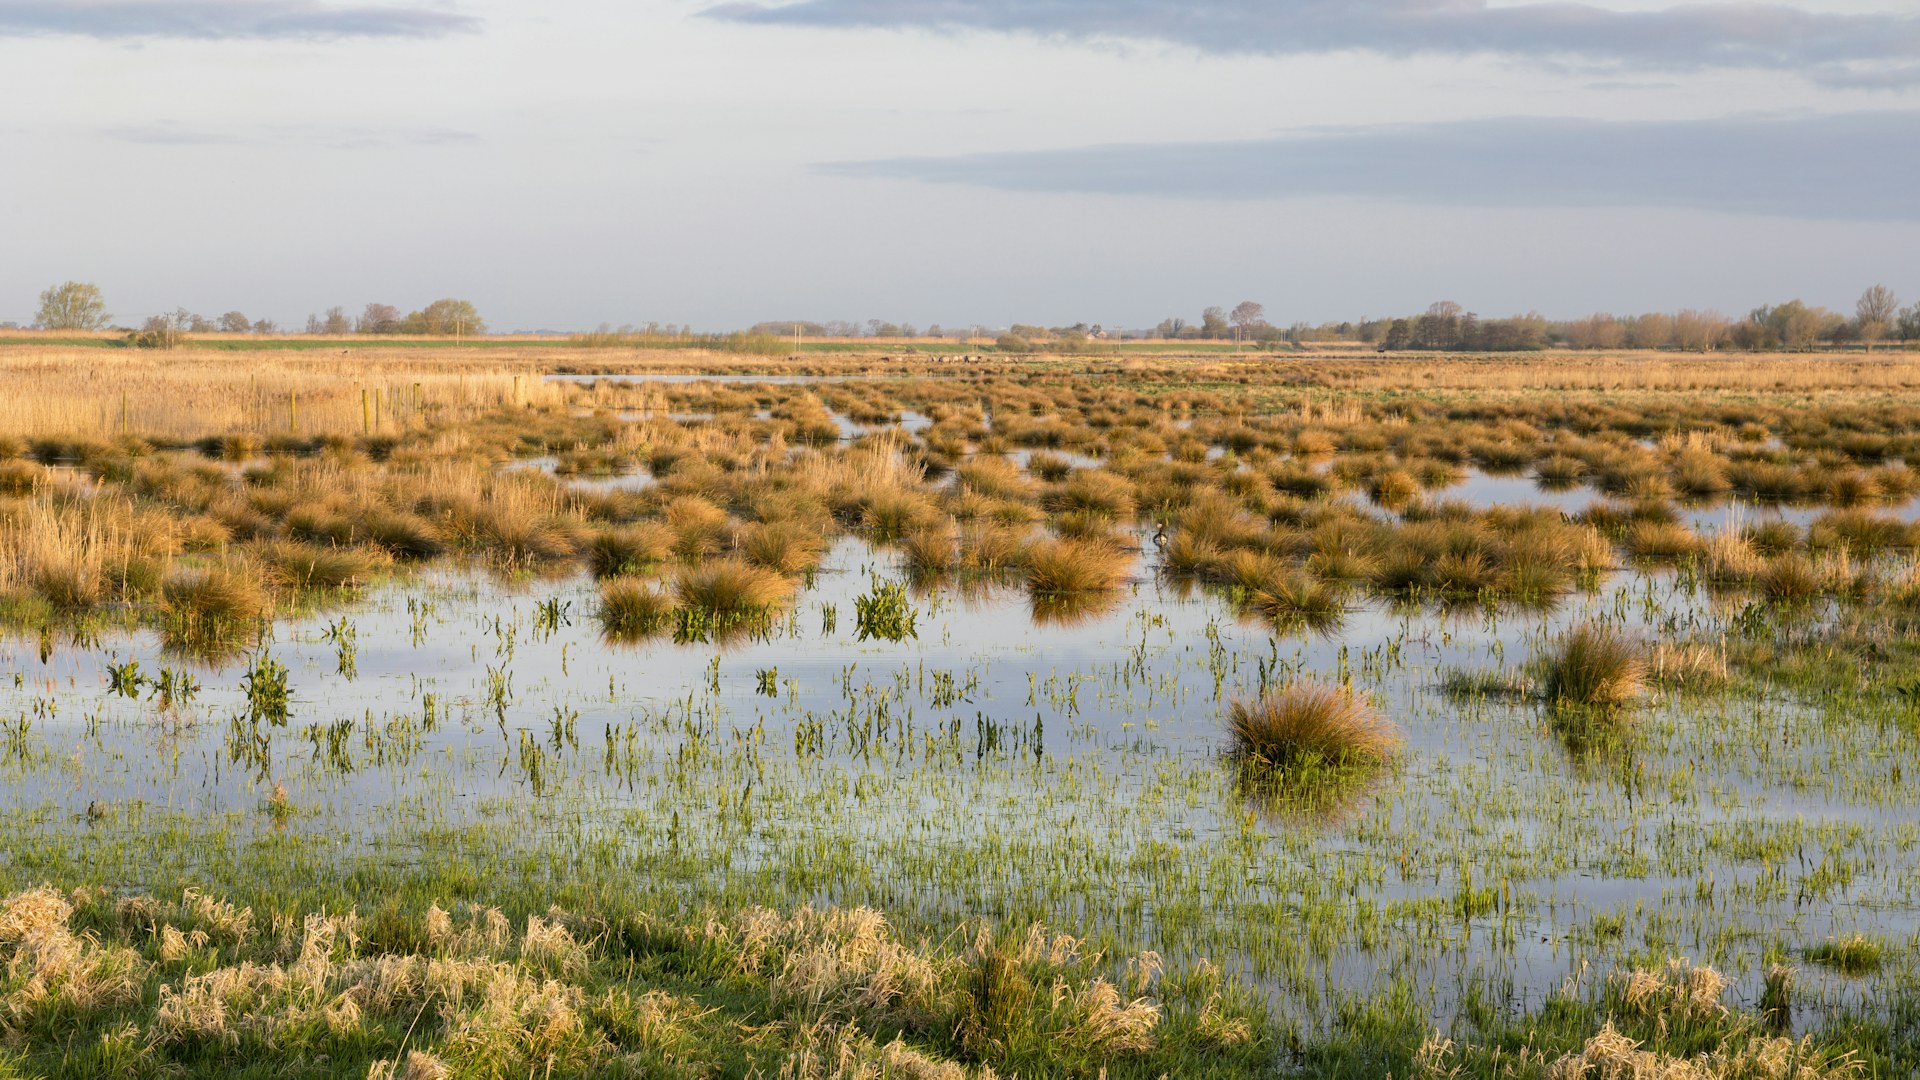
{"x": 1019, "y": 716}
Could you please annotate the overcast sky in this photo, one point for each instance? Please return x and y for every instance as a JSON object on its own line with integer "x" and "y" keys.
{"x": 574, "y": 162}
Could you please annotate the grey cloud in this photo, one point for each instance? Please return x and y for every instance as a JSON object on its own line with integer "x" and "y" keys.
{"x": 1852, "y": 166}
{"x": 217, "y": 20}
{"x": 331, "y": 138}
{"x": 1681, "y": 37}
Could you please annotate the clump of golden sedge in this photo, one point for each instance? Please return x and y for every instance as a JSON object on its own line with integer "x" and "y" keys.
{"x": 1308, "y": 724}
{"x": 1594, "y": 666}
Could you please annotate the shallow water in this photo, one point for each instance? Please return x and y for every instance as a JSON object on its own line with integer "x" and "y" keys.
{"x": 1063, "y": 771}
{"x": 1482, "y": 490}
{"x": 636, "y": 480}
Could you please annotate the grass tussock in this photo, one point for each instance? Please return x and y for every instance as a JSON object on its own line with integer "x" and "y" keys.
{"x": 1057, "y": 568}
{"x": 632, "y": 609}
{"x": 785, "y": 547}
{"x": 1309, "y": 724}
{"x": 1593, "y": 666}
{"x": 1855, "y": 955}
{"x": 730, "y": 588}
{"x": 629, "y": 549}
{"x": 300, "y": 567}
{"x": 212, "y": 609}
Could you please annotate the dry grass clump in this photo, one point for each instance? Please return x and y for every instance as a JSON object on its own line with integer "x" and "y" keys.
{"x": 1660, "y": 541}
{"x": 1058, "y": 568}
{"x": 302, "y": 567}
{"x": 993, "y": 549}
{"x": 730, "y": 588}
{"x": 629, "y": 549}
{"x": 1100, "y": 495}
{"x": 699, "y": 527}
{"x": 631, "y": 609}
{"x": 1731, "y": 558}
{"x": 1308, "y": 724}
{"x": 1284, "y": 595}
{"x": 57, "y": 976}
{"x": 1558, "y": 472}
{"x": 1858, "y": 532}
{"x": 74, "y": 557}
{"x": 21, "y": 478}
{"x": 886, "y": 515}
{"x": 1609, "y": 1053}
{"x": 1594, "y": 666}
{"x": 1393, "y": 487}
{"x": 213, "y": 608}
{"x": 996, "y": 478}
{"x": 785, "y": 547}
{"x": 1790, "y": 579}
{"x": 930, "y": 550}
{"x": 515, "y": 526}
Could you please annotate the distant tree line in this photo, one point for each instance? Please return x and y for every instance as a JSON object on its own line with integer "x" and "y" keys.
{"x": 1444, "y": 327}
{"x": 442, "y": 318}
{"x": 1792, "y": 325}
{"x": 79, "y": 305}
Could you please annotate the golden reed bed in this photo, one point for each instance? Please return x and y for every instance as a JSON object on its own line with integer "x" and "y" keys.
{"x": 62, "y": 391}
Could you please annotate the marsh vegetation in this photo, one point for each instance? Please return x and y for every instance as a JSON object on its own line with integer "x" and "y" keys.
{"x": 1032, "y": 716}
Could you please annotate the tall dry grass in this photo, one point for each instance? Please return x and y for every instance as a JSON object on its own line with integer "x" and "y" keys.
{"x": 188, "y": 394}
{"x": 1810, "y": 373}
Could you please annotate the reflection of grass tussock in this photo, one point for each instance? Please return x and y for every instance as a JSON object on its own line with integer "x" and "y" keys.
{"x": 1064, "y": 610}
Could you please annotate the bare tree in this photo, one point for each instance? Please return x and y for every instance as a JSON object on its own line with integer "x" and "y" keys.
{"x": 1876, "y": 311}
{"x": 1654, "y": 330}
{"x": 1597, "y": 332}
{"x": 1246, "y": 315}
{"x": 1213, "y": 323}
{"x": 1699, "y": 331}
{"x": 378, "y": 319}
{"x": 233, "y": 322}
{"x": 164, "y": 331}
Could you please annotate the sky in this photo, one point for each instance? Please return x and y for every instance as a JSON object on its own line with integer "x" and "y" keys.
{"x": 962, "y": 162}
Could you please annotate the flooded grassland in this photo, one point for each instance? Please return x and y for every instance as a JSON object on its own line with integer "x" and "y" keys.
{"x": 630, "y": 687}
